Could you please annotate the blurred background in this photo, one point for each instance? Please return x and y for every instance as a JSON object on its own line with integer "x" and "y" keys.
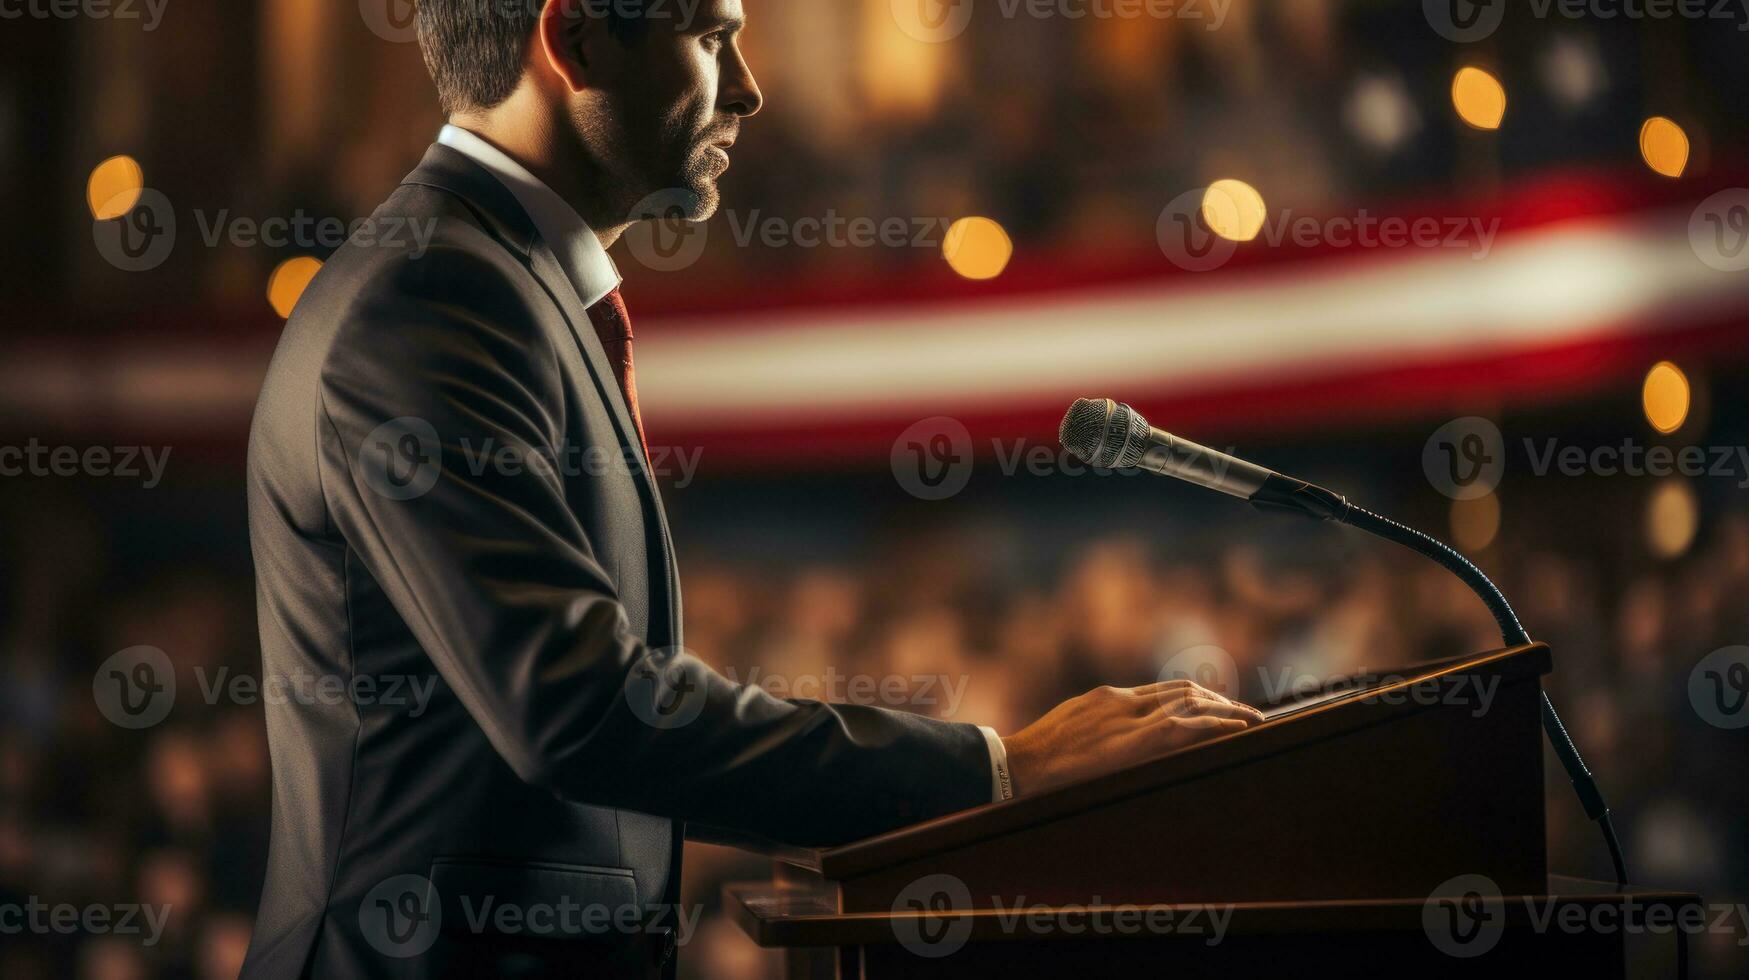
{"x": 1170, "y": 210}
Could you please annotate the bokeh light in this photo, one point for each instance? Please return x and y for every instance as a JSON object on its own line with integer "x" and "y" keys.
{"x": 1479, "y": 98}
{"x": 1667, "y": 397}
{"x": 1475, "y": 523}
{"x": 1672, "y": 518}
{"x": 115, "y": 187}
{"x": 977, "y": 248}
{"x": 1380, "y": 112}
{"x": 1234, "y": 210}
{"x": 1573, "y": 70}
{"x": 289, "y": 281}
{"x": 1664, "y": 146}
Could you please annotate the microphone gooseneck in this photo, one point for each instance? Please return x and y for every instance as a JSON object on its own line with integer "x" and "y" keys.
{"x": 1105, "y": 433}
{"x": 1514, "y": 634}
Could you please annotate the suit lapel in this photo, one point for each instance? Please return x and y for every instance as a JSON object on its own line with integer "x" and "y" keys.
{"x": 449, "y": 170}
{"x": 499, "y": 212}
{"x": 545, "y": 266}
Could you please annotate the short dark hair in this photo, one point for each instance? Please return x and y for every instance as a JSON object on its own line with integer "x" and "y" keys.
{"x": 474, "y": 48}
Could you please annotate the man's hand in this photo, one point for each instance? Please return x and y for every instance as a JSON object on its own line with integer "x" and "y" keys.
{"x": 1112, "y": 728}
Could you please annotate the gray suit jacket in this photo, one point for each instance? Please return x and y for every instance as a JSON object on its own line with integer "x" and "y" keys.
{"x": 463, "y": 564}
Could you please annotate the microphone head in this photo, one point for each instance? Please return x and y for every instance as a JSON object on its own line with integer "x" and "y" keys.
{"x": 1103, "y": 433}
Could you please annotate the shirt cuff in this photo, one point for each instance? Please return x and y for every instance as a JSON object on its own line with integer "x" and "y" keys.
{"x": 1001, "y": 786}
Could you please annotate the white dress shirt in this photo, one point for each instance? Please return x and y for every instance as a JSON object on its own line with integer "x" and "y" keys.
{"x": 574, "y": 244}
{"x": 593, "y": 274}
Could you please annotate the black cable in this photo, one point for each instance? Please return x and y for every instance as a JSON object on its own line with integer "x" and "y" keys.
{"x": 1512, "y": 631}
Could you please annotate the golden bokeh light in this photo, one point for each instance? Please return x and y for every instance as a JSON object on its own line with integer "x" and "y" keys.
{"x": 1479, "y": 98}
{"x": 1672, "y": 518}
{"x": 1475, "y": 523}
{"x": 115, "y": 187}
{"x": 977, "y": 248}
{"x": 1233, "y": 210}
{"x": 288, "y": 282}
{"x": 1667, "y": 397}
{"x": 1664, "y": 146}
{"x": 903, "y": 72}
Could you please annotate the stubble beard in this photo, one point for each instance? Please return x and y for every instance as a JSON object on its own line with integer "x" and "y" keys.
{"x": 700, "y": 182}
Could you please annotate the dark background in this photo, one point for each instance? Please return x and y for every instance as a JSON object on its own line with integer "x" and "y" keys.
{"x": 1030, "y": 588}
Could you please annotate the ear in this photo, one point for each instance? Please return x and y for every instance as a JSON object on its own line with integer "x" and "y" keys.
{"x": 568, "y": 35}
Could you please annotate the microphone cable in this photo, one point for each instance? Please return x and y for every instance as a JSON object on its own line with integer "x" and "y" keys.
{"x": 1513, "y": 632}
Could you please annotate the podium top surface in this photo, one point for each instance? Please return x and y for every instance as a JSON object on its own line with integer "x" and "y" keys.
{"x": 1411, "y": 691}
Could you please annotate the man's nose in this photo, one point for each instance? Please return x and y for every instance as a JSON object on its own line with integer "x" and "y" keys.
{"x": 741, "y": 94}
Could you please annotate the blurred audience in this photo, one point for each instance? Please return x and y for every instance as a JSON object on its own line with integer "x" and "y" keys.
{"x": 176, "y": 815}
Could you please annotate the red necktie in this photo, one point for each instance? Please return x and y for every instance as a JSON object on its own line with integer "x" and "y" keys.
{"x": 613, "y": 324}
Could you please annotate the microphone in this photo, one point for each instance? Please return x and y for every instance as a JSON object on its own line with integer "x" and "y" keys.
{"x": 1110, "y": 435}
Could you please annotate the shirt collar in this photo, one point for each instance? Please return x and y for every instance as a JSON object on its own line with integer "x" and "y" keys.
{"x": 574, "y": 244}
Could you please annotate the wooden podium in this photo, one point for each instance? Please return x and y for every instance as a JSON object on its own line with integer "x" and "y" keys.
{"x": 1384, "y": 828}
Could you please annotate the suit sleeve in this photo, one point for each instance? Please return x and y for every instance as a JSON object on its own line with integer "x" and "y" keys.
{"x": 498, "y": 581}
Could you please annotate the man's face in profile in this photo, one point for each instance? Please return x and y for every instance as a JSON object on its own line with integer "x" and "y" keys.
{"x": 679, "y": 98}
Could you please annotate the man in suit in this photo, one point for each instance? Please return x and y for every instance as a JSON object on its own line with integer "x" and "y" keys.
{"x": 425, "y": 516}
